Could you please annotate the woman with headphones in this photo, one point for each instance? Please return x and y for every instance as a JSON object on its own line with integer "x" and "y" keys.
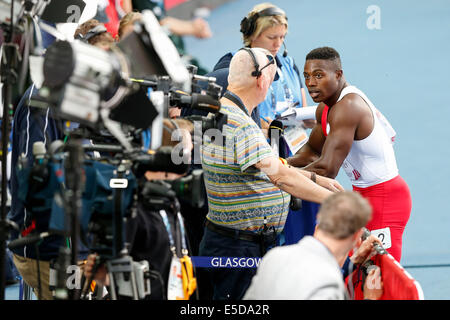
{"x": 266, "y": 26}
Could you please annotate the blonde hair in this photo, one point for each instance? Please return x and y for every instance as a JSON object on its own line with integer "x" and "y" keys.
{"x": 262, "y": 23}
{"x": 128, "y": 19}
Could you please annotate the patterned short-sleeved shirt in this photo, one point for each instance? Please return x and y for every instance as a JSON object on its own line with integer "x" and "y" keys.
{"x": 239, "y": 195}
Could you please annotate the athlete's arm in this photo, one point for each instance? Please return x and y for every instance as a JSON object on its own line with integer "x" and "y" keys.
{"x": 344, "y": 119}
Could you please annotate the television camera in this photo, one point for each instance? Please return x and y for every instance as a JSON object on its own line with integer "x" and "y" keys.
{"x": 98, "y": 90}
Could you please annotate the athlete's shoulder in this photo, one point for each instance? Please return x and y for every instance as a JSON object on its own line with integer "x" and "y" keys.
{"x": 350, "y": 109}
{"x": 351, "y": 102}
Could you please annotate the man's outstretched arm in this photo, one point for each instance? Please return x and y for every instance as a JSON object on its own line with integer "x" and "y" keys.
{"x": 298, "y": 182}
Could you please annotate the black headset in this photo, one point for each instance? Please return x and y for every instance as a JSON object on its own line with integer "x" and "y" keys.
{"x": 248, "y": 25}
{"x": 99, "y": 29}
{"x": 257, "y": 72}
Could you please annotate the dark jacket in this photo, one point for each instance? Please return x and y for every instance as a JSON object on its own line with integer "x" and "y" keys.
{"x": 31, "y": 124}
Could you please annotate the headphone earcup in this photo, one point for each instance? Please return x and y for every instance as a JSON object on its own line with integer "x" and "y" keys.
{"x": 248, "y": 25}
{"x": 256, "y": 73}
{"x": 245, "y": 26}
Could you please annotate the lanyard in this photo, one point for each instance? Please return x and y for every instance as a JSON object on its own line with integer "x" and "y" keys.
{"x": 184, "y": 250}
{"x": 288, "y": 96}
{"x": 233, "y": 97}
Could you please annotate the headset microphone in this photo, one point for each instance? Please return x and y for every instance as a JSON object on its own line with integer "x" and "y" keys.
{"x": 285, "y": 53}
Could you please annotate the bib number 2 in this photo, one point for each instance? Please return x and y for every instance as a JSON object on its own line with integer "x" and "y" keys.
{"x": 384, "y": 235}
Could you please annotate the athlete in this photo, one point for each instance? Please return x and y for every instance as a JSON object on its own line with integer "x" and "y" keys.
{"x": 351, "y": 133}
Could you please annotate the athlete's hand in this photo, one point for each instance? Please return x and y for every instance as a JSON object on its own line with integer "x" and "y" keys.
{"x": 328, "y": 183}
{"x": 309, "y": 123}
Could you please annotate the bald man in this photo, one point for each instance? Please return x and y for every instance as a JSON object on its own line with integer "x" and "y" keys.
{"x": 248, "y": 187}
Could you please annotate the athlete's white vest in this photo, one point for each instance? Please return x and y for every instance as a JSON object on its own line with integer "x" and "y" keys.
{"x": 371, "y": 160}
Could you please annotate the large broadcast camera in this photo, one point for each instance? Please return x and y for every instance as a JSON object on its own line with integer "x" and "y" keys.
{"x": 113, "y": 95}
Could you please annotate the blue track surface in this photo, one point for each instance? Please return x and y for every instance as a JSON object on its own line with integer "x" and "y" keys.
{"x": 404, "y": 69}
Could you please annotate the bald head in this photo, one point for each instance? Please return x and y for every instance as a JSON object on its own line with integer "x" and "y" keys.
{"x": 242, "y": 66}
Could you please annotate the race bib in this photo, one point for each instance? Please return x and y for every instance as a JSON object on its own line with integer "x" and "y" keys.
{"x": 175, "y": 283}
{"x": 384, "y": 235}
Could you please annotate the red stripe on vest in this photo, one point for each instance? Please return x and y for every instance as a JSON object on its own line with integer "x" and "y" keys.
{"x": 324, "y": 119}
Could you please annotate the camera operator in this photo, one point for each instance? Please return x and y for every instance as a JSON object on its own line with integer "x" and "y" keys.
{"x": 146, "y": 233}
{"x": 32, "y": 124}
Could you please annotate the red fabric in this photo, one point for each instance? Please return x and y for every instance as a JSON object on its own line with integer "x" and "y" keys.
{"x": 391, "y": 204}
{"x": 169, "y": 4}
{"x": 29, "y": 229}
{"x": 397, "y": 283}
{"x": 324, "y": 120}
{"x": 113, "y": 24}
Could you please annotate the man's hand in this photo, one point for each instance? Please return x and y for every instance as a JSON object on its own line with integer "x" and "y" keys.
{"x": 373, "y": 287}
{"x": 201, "y": 28}
{"x": 101, "y": 274}
{"x": 265, "y": 126}
{"x": 328, "y": 183}
{"x": 365, "y": 250}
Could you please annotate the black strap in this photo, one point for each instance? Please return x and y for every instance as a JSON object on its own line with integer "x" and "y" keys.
{"x": 233, "y": 97}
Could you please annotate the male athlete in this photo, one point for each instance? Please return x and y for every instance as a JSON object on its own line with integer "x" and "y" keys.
{"x": 351, "y": 133}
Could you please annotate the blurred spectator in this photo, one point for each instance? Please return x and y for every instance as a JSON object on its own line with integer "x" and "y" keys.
{"x": 177, "y": 28}
{"x": 126, "y": 24}
{"x": 109, "y": 12}
{"x": 95, "y": 33}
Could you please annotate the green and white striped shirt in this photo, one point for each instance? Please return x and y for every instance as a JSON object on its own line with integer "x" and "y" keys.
{"x": 239, "y": 195}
